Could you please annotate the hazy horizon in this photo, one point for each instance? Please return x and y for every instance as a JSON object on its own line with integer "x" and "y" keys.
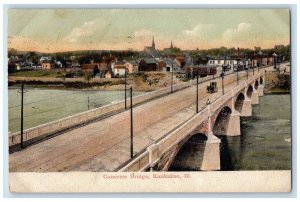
{"x": 63, "y": 30}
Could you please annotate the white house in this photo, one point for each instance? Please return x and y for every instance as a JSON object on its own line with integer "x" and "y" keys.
{"x": 231, "y": 61}
{"x": 118, "y": 69}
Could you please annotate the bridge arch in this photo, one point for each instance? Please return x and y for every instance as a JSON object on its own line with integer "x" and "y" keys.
{"x": 256, "y": 84}
{"x": 261, "y": 80}
{"x": 221, "y": 122}
{"x": 238, "y": 105}
{"x": 249, "y": 91}
{"x": 189, "y": 153}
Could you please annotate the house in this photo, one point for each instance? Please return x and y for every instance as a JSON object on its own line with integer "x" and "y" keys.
{"x": 168, "y": 65}
{"x": 119, "y": 69}
{"x": 231, "y": 62}
{"x": 132, "y": 66}
{"x": 92, "y": 68}
{"x": 147, "y": 64}
{"x": 47, "y": 65}
{"x": 180, "y": 61}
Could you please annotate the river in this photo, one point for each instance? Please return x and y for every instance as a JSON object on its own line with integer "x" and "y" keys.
{"x": 264, "y": 144}
{"x": 44, "y": 105}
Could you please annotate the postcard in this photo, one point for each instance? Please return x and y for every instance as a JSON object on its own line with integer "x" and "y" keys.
{"x": 149, "y": 100}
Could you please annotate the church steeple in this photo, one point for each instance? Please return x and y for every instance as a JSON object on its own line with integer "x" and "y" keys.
{"x": 171, "y": 45}
{"x": 153, "y": 44}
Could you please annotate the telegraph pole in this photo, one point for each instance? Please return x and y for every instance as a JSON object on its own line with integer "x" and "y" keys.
{"x": 237, "y": 74}
{"x": 197, "y": 93}
{"x": 125, "y": 90}
{"x": 222, "y": 76}
{"x": 245, "y": 65}
{"x": 172, "y": 79}
{"x": 131, "y": 125}
{"x": 22, "y": 117}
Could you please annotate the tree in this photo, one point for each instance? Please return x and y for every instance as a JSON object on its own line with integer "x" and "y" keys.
{"x": 12, "y": 52}
{"x": 87, "y": 76}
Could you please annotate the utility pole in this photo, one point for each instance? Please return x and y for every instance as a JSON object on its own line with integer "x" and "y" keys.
{"x": 22, "y": 117}
{"x": 197, "y": 93}
{"x": 222, "y": 76}
{"x": 131, "y": 125}
{"x": 125, "y": 90}
{"x": 172, "y": 79}
{"x": 245, "y": 65}
{"x": 237, "y": 74}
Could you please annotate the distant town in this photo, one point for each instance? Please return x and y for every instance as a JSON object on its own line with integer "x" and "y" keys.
{"x": 115, "y": 64}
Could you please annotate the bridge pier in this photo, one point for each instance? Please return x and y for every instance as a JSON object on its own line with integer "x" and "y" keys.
{"x": 152, "y": 156}
{"x": 211, "y": 157}
{"x": 234, "y": 128}
{"x": 260, "y": 90}
{"x": 247, "y": 107}
{"x": 255, "y": 97}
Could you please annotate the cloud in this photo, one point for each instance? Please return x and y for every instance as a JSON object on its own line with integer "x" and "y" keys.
{"x": 87, "y": 29}
{"x": 200, "y": 30}
{"x": 241, "y": 31}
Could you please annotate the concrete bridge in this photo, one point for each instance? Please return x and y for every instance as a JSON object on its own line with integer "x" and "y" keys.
{"x": 163, "y": 122}
{"x": 222, "y": 117}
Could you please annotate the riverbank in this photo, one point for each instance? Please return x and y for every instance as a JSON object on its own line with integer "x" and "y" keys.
{"x": 277, "y": 83}
{"x": 145, "y": 82}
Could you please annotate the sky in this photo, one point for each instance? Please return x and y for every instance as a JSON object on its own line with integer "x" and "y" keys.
{"x": 57, "y": 30}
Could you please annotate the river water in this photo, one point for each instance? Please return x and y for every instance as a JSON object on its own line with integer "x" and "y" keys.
{"x": 44, "y": 105}
{"x": 264, "y": 144}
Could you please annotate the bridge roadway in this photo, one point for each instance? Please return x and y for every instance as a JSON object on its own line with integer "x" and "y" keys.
{"x": 105, "y": 145}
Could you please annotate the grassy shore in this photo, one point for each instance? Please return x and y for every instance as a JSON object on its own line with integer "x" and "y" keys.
{"x": 277, "y": 83}
{"x": 147, "y": 81}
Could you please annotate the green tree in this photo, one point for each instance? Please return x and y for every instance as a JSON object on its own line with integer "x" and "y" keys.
{"x": 13, "y": 52}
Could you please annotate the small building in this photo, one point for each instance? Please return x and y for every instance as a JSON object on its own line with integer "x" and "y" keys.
{"x": 46, "y": 65}
{"x": 92, "y": 68}
{"x": 169, "y": 65}
{"x": 180, "y": 61}
{"x": 132, "y": 66}
{"x": 119, "y": 69}
{"x": 147, "y": 64}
